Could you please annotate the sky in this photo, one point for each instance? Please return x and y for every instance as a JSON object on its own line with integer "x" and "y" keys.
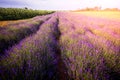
{"x": 60, "y": 4}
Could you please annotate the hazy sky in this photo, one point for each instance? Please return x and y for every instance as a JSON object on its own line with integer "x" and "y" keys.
{"x": 59, "y": 4}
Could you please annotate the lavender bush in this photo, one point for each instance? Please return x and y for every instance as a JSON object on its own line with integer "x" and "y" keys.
{"x": 13, "y": 33}
{"x": 88, "y": 55}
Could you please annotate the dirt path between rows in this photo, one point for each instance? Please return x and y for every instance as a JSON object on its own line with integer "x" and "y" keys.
{"x": 61, "y": 67}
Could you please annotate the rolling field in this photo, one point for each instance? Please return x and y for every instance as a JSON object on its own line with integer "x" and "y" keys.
{"x": 61, "y": 46}
{"x": 102, "y": 14}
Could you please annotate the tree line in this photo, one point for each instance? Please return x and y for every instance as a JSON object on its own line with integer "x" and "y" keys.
{"x": 19, "y": 13}
{"x": 96, "y": 8}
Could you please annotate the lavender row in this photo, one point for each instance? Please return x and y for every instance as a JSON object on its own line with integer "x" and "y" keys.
{"x": 16, "y": 32}
{"x": 34, "y": 58}
{"x": 87, "y": 55}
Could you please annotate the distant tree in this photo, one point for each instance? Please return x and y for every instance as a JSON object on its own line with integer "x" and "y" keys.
{"x": 111, "y": 9}
{"x": 115, "y": 9}
{"x": 97, "y": 8}
{"x": 88, "y": 9}
{"x": 25, "y": 8}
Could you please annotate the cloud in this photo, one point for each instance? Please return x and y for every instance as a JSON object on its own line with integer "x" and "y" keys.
{"x": 12, "y": 3}
{"x": 54, "y": 4}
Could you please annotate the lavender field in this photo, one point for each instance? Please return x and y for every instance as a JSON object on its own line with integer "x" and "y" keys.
{"x": 61, "y": 46}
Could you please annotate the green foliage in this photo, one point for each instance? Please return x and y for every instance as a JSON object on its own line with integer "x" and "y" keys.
{"x": 17, "y": 13}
